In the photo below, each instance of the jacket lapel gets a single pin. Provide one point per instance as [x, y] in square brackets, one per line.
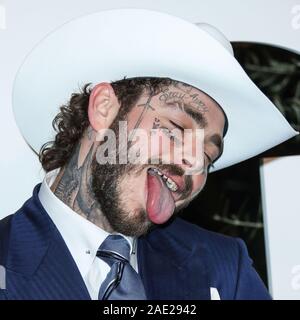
[170, 269]
[39, 264]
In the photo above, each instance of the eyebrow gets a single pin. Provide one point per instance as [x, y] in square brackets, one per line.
[187, 109]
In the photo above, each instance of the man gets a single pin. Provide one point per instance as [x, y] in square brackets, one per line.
[103, 227]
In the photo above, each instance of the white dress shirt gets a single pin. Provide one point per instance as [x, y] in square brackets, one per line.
[82, 237]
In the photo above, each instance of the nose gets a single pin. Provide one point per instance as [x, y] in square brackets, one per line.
[192, 164]
[193, 156]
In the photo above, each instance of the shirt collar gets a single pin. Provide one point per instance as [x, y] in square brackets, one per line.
[82, 237]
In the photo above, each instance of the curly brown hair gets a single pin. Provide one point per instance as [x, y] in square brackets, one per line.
[72, 120]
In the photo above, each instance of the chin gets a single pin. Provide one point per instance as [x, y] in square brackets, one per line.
[133, 223]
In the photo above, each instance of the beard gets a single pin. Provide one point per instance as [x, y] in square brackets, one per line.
[106, 181]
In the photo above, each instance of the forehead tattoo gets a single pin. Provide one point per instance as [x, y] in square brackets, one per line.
[178, 95]
[183, 98]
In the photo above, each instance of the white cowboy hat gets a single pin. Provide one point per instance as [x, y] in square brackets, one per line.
[109, 45]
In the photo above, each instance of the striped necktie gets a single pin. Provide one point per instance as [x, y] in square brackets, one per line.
[122, 282]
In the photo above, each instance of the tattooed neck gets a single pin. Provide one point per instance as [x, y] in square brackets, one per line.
[73, 187]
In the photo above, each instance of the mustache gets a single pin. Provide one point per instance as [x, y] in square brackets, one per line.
[176, 170]
[120, 170]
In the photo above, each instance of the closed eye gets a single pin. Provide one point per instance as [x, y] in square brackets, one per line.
[210, 164]
[176, 125]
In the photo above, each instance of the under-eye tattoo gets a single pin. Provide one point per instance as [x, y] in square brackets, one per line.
[157, 126]
[156, 123]
[170, 135]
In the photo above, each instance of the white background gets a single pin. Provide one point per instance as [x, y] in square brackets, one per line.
[280, 194]
[24, 23]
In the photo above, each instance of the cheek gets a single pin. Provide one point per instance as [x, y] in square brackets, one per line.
[161, 147]
[155, 144]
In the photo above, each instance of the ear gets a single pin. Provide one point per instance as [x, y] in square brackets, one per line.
[103, 106]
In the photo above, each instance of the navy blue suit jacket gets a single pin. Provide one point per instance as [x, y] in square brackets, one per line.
[177, 261]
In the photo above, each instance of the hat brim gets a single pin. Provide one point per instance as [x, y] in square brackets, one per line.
[109, 45]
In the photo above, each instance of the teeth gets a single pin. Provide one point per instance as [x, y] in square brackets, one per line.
[169, 182]
[171, 185]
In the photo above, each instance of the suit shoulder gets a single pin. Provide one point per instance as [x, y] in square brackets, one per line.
[191, 233]
[221, 249]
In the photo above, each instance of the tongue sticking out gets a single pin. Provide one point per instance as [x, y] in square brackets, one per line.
[160, 203]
